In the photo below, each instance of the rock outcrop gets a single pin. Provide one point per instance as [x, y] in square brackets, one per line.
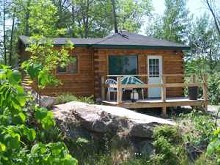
[78, 119]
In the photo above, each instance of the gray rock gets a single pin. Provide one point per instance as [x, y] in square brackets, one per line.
[47, 101]
[102, 119]
[130, 129]
[143, 130]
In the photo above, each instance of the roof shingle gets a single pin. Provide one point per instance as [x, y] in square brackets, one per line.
[118, 40]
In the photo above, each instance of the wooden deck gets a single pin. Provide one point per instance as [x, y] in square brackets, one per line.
[162, 102]
[157, 103]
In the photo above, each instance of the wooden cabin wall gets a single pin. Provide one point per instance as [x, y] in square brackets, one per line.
[93, 64]
[79, 84]
[172, 64]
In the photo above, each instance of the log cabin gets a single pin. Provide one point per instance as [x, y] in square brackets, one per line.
[153, 61]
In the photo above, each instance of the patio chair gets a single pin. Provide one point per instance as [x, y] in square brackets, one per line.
[110, 89]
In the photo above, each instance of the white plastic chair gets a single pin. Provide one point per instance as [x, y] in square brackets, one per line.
[110, 89]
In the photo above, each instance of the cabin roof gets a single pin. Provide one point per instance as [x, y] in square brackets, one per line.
[118, 40]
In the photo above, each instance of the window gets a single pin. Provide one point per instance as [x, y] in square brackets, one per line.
[61, 69]
[123, 65]
[71, 68]
[154, 67]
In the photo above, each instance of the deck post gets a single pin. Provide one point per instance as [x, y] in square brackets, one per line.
[103, 87]
[119, 90]
[164, 111]
[205, 91]
[163, 88]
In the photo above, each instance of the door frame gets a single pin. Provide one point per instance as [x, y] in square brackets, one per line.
[160, 68]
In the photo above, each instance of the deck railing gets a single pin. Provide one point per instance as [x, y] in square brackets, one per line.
[194, 81]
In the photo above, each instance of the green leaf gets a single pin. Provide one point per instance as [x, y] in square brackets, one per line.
[14, 76]
[2, 147]
[22, 100]
[31, 134]
[40, 113]
[33, 70]
[48, 121]
[2, 74]
[43, 78]
[22, 117]
[35, 148]
[69, 160]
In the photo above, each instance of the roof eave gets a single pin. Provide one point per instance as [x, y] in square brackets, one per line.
[140, 47]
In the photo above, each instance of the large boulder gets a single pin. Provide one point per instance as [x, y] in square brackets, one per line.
[80, 119]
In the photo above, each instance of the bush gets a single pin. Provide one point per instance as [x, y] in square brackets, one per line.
[169, 146]
[213, 149]
[197, 128]
[68, 97]
[22, 123]
[214, 88]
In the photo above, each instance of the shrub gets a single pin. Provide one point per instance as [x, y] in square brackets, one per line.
[67, 97]
[20, 125]
[214, 88]
[213, 149]
[197, 128]
[169, 148]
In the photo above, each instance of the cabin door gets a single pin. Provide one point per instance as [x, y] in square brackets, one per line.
[154, 72]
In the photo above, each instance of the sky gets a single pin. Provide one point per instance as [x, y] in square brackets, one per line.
[195, 7]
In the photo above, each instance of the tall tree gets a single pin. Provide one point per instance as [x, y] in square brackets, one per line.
[95, 18]
[204, 42]
[173, 24]
[211, 5]
[131, 13]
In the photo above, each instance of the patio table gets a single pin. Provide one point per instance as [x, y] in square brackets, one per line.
[132, 80]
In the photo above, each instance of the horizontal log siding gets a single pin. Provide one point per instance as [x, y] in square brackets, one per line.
[172, 64]
[93, 64]
[79, 84]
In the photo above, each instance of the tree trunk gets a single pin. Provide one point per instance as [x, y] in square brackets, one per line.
[4, 33]
[215, 17]
[114, 16]
[27, 16]
[86, 19]
[73, 19]
[11, 39]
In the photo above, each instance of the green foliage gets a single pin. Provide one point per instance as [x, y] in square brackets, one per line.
[67, 97]
[198, 128]
[199, 67]
[172, 25]
[94, 18]
[168, 145]
[213, 149]
[18, 141]
[52, 153]
[204, 42]
[44, 12]
[214, 88]
[45, 59]
[130, 13]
